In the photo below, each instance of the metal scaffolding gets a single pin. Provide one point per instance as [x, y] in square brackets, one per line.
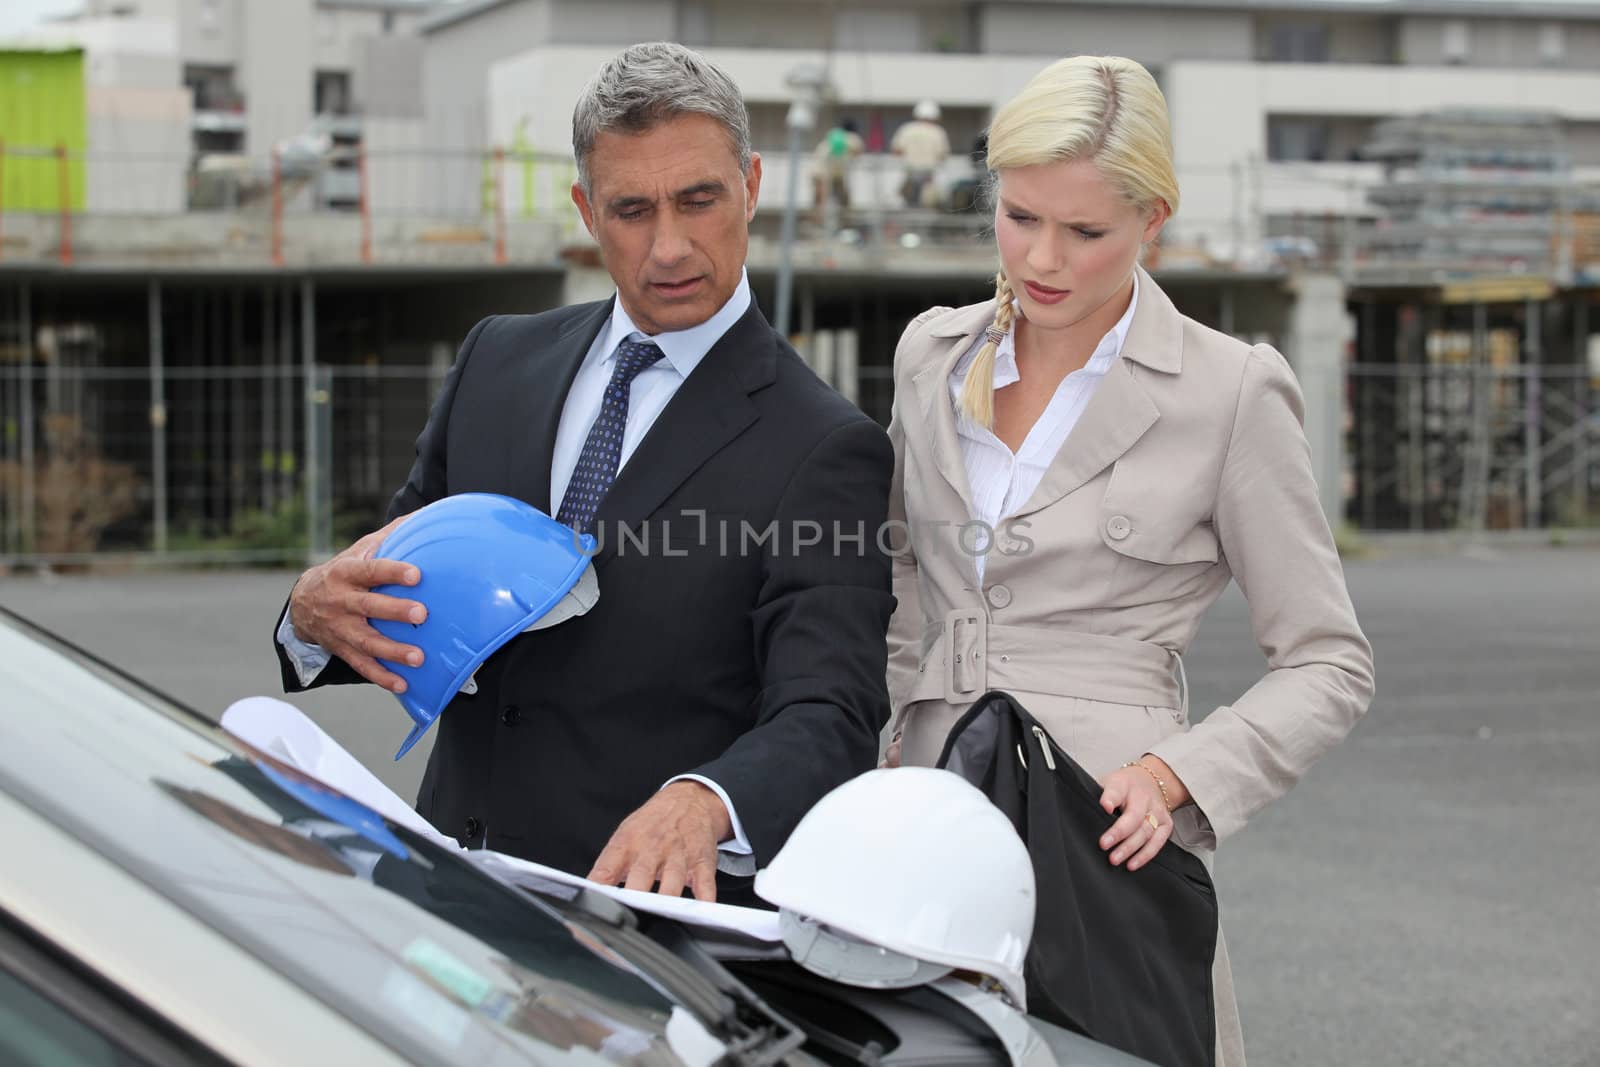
[1475, 193]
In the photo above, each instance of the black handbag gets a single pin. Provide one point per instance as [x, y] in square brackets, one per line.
[1123, 957]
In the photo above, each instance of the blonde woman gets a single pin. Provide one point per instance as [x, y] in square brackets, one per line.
[1082, 470]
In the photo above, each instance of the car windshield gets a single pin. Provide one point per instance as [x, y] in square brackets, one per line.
[434, 958]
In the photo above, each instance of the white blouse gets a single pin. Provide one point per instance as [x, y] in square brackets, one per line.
[1002, 481]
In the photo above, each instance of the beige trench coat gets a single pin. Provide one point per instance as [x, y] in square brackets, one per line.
[1188, 467]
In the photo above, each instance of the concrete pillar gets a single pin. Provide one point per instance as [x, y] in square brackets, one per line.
[1319, 330]
[158, 418]
[847, 365]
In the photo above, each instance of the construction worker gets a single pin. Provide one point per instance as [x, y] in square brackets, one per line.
[924, 145]
[831, 164]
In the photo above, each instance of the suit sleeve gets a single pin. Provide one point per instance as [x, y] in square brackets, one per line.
[426, 483]
[1276, 540]
[819, 625]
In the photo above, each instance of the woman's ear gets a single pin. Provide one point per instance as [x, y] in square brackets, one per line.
[1159, 214]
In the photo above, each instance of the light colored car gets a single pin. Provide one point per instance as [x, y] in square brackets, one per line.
[171, 896]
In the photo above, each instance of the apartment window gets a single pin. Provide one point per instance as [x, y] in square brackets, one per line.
[1552, 42]
[331, 92]
[877, 30]
[212, 88]
[1457, 44]
[1297, 140]
[741, 24]
[1298, 42]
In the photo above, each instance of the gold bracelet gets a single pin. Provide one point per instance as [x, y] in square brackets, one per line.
[1165, 799]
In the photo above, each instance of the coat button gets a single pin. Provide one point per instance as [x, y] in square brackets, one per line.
[510, 714]
[472, 829]
[1118, 527]
[999, 596]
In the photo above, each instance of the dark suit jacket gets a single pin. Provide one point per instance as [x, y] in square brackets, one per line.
[726, 646]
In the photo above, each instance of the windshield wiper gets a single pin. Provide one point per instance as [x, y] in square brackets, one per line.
[663, 954]
[755, 1035]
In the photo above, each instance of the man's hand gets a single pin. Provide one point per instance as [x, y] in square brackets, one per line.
[331, 603]
[669, 843]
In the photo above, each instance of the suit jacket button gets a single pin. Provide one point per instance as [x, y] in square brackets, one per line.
[1118, 527]
[510, 714]
[472, 829]
[999, 596]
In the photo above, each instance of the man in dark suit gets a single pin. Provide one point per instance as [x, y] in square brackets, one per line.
[732, 671]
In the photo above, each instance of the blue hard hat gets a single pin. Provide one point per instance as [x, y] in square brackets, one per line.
[351, 814]
[491, 567]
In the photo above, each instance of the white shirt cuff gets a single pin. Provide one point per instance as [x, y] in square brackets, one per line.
[308, 659]
[739, 845]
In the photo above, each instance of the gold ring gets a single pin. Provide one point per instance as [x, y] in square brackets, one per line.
[1150, 817]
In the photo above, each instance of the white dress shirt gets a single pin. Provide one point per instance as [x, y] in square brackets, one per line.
[652, 388]
[655, 385]
[1002, 481]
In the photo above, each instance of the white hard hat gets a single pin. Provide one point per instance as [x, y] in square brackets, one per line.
[898, 876]
[926, 110]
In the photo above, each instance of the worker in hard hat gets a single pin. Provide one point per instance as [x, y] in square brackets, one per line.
[832, 160]
[924, 145]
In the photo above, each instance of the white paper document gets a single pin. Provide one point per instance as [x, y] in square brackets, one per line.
[283, 731]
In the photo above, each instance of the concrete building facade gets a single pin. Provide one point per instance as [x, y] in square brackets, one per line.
[1271, 101]
[357, 294]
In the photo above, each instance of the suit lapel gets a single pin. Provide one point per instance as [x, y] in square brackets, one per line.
[544, 379]
[932, 385]
[709, 410]
[1120, 412]
[1118, 415]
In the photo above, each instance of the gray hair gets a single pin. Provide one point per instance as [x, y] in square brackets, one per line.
[647, 85]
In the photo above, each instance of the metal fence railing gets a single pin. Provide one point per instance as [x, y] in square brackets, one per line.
[1461, 447]
[233, 464]
[281, 464]
[374, 194]
[313, 202]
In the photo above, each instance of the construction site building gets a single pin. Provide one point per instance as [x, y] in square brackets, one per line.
[225, 300]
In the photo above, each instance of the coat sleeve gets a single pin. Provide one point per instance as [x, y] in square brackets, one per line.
[819, 623]
[426, 483]
[905, 628]
[1277, 543]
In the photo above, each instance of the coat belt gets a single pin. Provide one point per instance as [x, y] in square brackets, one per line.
[965, 656]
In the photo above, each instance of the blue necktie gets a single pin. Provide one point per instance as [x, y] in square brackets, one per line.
[602, 450]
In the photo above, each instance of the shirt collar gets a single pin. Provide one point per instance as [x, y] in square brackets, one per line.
[683, 349]
[1005, 356]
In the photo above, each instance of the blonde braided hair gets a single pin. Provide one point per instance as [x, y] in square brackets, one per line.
[977, 391]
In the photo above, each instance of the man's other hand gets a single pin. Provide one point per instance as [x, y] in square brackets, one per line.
[331, 603]
[668, 844]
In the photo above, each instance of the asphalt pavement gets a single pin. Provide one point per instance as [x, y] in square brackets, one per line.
[1430, 894]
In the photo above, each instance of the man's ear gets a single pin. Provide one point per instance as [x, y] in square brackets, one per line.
[752, 187]
[585, 209]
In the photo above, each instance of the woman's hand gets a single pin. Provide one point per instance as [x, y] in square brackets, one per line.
[1145, 824]
[891, 755]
